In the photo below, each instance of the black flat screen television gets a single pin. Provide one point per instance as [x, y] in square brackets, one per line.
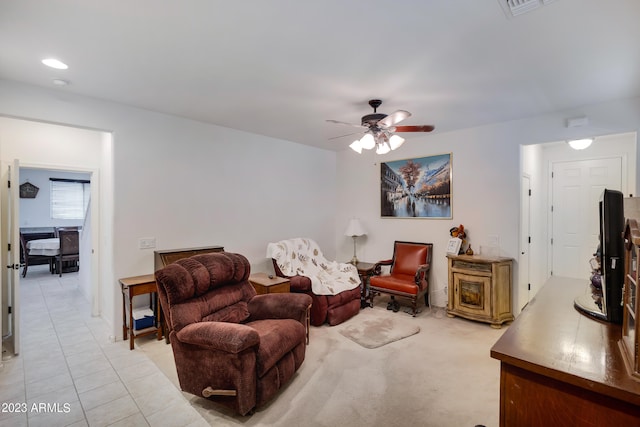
[607, 281]
[612, 253]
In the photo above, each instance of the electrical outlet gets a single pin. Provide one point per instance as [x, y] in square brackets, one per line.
[493, 240]
[147, 243]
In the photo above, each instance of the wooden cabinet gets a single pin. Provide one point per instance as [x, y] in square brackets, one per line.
[480, 288]
[631, 308]
[165, 257]
[559, 367]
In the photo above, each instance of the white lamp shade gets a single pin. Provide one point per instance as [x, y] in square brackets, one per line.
[383, 148]
[395, 141]
[580, 144]
[354, 228]
[356, 146]
[368, 141]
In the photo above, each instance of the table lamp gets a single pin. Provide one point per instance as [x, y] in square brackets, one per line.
[354, 229]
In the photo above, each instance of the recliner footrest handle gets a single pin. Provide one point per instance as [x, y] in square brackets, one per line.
[208, 392]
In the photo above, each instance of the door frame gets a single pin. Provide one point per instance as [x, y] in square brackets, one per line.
[525, 244]
[95, 224]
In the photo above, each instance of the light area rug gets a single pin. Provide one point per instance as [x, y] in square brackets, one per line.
[373, 328]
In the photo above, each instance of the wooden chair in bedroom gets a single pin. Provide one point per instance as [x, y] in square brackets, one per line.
[69, 248]
[33, 259]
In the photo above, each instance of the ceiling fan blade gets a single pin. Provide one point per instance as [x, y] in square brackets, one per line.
[423, 128]
[342, 136]
[393, 118]
[346, 124]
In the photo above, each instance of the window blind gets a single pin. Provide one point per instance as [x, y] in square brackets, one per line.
[69, 198]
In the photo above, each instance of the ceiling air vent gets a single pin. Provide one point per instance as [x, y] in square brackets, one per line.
[518, 7]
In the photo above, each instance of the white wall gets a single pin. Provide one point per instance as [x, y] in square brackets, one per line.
[486, 184]
[191, 184]
[188, 183]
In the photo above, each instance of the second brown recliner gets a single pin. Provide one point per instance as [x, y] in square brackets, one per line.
[338, 284]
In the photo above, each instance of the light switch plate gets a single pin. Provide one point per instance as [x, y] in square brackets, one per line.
[147, 243]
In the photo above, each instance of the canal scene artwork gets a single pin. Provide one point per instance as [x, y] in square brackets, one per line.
[416, 188]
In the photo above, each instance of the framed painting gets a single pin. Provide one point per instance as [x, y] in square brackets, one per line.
[416, 188]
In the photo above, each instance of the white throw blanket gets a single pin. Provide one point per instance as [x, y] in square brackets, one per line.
[303, 257]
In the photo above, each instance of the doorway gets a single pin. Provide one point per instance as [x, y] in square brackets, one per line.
[47, 146]
[538, 162]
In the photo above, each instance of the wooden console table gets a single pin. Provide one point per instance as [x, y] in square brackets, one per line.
[139, 285]
[559, 367]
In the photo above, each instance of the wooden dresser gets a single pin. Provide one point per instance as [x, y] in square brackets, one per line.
[559, 367]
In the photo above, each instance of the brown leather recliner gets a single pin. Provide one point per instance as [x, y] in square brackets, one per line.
[408, 277]
[230, 345]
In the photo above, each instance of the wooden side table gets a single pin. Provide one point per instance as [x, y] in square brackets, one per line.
[139, 285]
[365, 271]
[264, 285]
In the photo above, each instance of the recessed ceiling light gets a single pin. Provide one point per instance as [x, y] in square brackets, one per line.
[55, 63]
[60, 82]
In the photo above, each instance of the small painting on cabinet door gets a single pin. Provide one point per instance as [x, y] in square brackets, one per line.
[471, 294]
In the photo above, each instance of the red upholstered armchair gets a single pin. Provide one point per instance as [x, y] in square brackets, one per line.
[408, 277]
[230, 345]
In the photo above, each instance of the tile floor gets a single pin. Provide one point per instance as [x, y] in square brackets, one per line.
[69, 373]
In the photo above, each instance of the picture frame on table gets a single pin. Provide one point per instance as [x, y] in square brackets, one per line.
[453, 247]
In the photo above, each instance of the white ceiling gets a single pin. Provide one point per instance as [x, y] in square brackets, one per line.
[281, 67]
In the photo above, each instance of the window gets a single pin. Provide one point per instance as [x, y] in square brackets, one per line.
[69, 198]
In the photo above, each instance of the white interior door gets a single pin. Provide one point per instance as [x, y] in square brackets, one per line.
[524, 289]
[576, 190]
[11, 267]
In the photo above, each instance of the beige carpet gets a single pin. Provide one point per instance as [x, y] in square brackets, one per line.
[375, 328]
[442, 377]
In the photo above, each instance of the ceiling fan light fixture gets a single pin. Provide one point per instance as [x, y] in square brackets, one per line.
[580, 144]
[367, 141]
[395, 141]
[383, 148]
[356, 146]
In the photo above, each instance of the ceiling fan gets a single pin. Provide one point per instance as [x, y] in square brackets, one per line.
[381, 130]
